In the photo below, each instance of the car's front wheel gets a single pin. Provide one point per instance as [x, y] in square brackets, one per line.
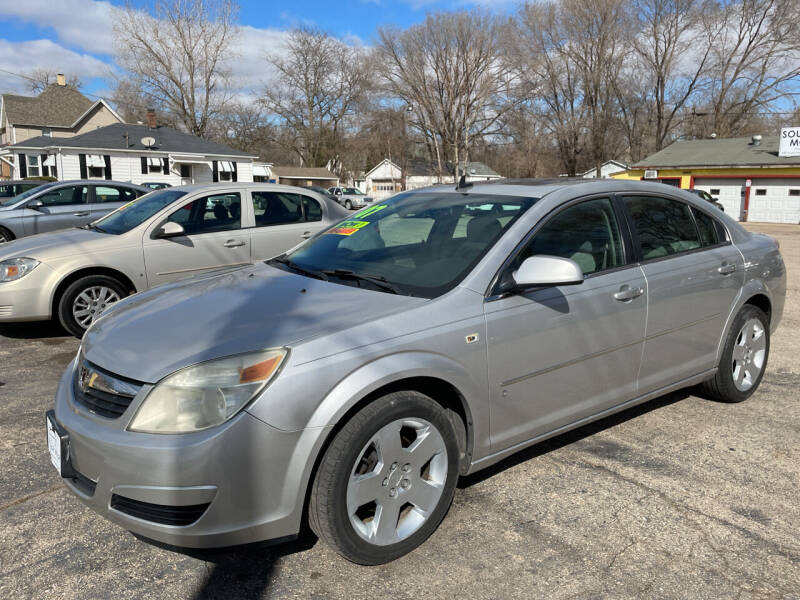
[386, 480]
[5, 235]
[348, 205]
[744, 357]
[86, 299]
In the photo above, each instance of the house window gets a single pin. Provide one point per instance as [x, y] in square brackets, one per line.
[794, 192]
[34, 168]
[714, 192]
[225, 170]
[761, 192]
[155, 165]
[186, 171]
[95, 166]
[47, 131]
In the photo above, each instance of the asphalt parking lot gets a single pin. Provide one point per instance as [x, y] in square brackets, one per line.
[681, 497]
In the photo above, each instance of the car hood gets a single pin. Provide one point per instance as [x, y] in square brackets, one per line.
[157, 332]
[58, 244]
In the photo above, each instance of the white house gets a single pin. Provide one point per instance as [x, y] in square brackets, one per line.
[606, 170]
[135, 153]
[386, 178]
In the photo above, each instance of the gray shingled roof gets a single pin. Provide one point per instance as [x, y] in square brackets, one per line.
[730, 152]
[307, 172]
[56, 106]
[113, 137]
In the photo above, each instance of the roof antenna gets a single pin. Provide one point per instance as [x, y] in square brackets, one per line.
[462, 183]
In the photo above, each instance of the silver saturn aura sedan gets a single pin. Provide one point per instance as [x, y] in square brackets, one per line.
[166, 235]
[353, 379]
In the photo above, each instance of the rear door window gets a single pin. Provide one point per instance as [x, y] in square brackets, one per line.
[707, 227]
[276, 208]
[312, 209]
[664, 226]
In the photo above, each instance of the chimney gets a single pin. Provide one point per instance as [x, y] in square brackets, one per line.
[60, 79]
[151, 118]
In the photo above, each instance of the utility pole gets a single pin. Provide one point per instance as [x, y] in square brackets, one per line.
[404, 153]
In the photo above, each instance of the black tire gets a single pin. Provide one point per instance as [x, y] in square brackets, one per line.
[348, 205]
[75, 289]
[722, 386]
[328, 513]
[5, 235]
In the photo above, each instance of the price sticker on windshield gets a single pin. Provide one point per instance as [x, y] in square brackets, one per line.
[348, 227]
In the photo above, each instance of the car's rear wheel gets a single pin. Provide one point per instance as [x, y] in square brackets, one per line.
[744, 357]
[386, 480]
[5, 235]
[86, 299]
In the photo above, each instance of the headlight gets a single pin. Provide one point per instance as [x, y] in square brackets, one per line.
[16, 268]
[208, 394]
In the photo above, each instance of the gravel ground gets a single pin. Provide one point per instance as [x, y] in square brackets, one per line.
[678, 498]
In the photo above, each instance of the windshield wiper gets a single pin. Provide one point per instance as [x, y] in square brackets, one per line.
[377, 280]
[297, 268]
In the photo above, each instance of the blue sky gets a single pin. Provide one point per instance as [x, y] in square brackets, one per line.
[74, 36]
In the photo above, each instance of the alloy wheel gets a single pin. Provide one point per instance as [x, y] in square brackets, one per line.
[397, 481]
[91, 303]
[749, 353]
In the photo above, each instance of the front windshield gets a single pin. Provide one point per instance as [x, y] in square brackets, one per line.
[136, 212]
[25, 194]
[354, 192]
[423, 244]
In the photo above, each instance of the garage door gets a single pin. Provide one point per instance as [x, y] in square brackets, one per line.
[729, 192]
[775, 201]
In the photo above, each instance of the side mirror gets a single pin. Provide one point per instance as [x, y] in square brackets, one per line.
[34, 204]
[542, 270]
[169, 230]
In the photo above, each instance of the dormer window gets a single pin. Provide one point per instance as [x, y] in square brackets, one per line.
[47, 131]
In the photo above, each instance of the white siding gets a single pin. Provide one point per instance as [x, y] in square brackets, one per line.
[244, 171]
[128, 167]
[70, 167]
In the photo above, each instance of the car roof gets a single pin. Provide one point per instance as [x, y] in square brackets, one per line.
[30, 181]
[241, 184]
[541, 187]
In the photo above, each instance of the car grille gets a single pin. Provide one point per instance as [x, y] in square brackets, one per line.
[102, 393]
[5, 311]
[159, 513]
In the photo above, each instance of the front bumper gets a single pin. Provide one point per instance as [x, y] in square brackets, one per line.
[29, 298]
[251, 476]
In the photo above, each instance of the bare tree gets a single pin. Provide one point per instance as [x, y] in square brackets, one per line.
[39, 79]
[180, 55]
[318, 85]
[670, 57]
[449, 69]
[755, 59]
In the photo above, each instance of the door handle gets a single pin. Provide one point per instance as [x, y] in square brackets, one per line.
[81, 214]
[306, 235]
[233, 243]
[627, 293]
[726, 269]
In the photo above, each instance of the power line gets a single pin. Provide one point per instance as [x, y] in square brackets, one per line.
[88, 94]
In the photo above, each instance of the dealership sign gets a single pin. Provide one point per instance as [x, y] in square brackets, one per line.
[790, 142]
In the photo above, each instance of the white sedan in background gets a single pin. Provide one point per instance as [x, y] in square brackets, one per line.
[169, 234]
